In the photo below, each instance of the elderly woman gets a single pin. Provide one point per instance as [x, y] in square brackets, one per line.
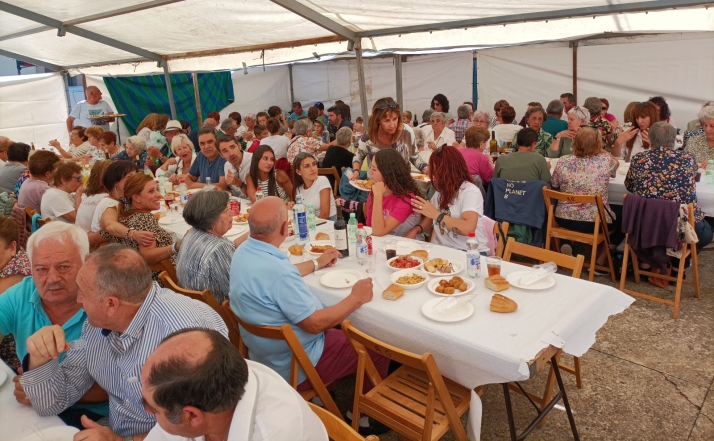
[702, 146]
[635, 140]
[108, 144]
[302, 142]
[694, 127]
[250, 122]
[134, 151]
[205, 257]
[441, 104]
[587, 171]
[438, 135]
[508, 129]
[561, 145]
[607, 130]
[535, 116]
[628, 115]
[177, 167]
[79, 145]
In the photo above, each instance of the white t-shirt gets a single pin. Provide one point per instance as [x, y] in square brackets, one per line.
[311, 196]
[468, 198]
[242, 172]
[55, 204]
[506, 132]
[636, 147]
[83, 110]
[102, 206]
[85, 212]
[279, 143]
[447, 137]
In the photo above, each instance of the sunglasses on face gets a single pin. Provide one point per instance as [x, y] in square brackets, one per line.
[390, 104]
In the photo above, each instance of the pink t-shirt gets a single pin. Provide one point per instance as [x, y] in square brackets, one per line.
[396, 206]
[477, 163]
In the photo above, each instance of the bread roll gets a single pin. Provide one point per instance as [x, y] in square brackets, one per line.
[422, 254]
[496, 283]
[502, 304]
[296, 250]
[393, 292]
[322, 236]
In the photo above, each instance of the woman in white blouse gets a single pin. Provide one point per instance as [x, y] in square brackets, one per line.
[177, 167]
[314, 190]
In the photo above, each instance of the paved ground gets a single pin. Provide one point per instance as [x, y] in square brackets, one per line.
[648, 377]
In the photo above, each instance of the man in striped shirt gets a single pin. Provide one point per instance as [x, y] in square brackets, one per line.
[127, 317]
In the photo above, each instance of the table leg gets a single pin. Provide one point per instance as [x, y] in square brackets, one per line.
[509, 412]
[566, 404]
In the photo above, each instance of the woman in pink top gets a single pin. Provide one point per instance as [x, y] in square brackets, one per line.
[477, 162]
[389, 210]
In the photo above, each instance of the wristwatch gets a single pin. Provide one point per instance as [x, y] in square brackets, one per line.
[317, 266]
[440, 218]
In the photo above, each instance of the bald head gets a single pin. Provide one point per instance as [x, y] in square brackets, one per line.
[120, 272]
[93, 94]
[267, 218]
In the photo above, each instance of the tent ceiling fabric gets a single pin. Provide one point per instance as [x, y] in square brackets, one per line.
[185, 32]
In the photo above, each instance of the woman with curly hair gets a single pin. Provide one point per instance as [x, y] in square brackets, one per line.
[454, 210]
[441, 104]
[663, 112]
[388, 205]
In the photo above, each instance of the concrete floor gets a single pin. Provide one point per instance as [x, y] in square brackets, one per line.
[647, 377]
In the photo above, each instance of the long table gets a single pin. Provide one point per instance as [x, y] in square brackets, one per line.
[705, 193]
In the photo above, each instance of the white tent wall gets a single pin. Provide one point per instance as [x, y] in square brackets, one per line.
[258, 90]
[33, 109]
[678, 67]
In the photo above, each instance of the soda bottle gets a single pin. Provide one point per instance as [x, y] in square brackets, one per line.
[258, 194]
[300, 227]
[311, 222]
[473, 258]
[183, 192]
[361, 244]
[352, 232]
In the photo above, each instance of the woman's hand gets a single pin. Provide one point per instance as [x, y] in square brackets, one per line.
[54, 143]
[153, 151]
[431, 145]
[645, 136]
[170, 161]
[565, 134]
[144, 238]
[425, 208]
[627, 135]
[378, 188]
[411, 234]
[355, 174]
[248, 136]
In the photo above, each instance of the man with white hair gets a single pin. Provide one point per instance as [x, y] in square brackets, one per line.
[229, 126]
[93, 106]
[49, 298]
[128, 315]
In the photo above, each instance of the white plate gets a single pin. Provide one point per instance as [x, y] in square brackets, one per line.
[433, 283]
[405, 272]
[236, 230]
[342, 278]
[171, 220]
[359, 187]
[458, 267]
[418, 267]
[3, 377]
[58, 433]
[416, 175]
[318, 243]
[456, 314]
[541, 284]
[404, 247]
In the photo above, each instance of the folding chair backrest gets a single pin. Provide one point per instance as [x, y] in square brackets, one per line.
[573, 263]
[169, 283]
[502, 234]
[232, 322]
[337, 429]
[331, 171]
[595, 199]
[166, 266]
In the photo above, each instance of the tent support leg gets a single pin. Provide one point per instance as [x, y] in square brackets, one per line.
[197, 98]
[360, 77]
[398, 72]
[574, 45]
[169, 89]
[292, 93]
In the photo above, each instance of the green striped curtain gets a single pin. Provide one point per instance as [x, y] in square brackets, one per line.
[140, 95]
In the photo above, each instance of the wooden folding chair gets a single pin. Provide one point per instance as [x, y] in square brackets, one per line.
[165, 265]
[337, 429]
[29, 213]
[576, 265]
[331, 171]
[501, 234]
[594, 239]
[687, 250]
[415, 401]
[232, 323]
[298, 360]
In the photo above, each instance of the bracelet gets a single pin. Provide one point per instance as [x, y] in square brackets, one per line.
[127, 233]
[174, 249]
[421, 229]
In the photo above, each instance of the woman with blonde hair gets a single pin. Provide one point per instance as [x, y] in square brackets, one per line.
[177, 167]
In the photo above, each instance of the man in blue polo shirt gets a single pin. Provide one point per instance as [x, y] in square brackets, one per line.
[208, 163]
[49, 297]
[297, 112]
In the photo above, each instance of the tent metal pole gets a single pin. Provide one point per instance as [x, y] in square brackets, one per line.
[30, 60]
[170, 90]
[197, 97]
[360, 77]
[574, 45]
[316, 17]
[398, 72]
[292, 93]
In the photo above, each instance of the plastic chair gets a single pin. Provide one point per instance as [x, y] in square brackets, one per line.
[337, 429]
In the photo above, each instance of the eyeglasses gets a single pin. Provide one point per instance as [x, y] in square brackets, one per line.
[390, 104]
[77, 178]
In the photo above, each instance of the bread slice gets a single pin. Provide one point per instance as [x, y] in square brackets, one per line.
[393, 292]
[496, 283]
[322, 236]
[502, 304]
[422, 254]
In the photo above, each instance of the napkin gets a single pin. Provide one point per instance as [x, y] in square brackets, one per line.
[452, 302]
[539, 272]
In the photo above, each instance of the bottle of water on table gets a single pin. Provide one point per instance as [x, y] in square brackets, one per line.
[183, 192]
[361, 245]
[301, 231]
[473, 258]
[258, 194]
[352, 232]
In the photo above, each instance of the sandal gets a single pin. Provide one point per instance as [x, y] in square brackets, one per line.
[658, 282]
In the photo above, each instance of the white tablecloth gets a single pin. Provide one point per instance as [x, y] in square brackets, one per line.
[705, 194]
[15, 419]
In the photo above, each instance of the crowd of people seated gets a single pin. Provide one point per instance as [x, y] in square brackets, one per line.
[90, 275]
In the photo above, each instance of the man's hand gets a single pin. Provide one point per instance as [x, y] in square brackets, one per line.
[362, 291]
[153, 151]
[19, 392]
[328, 258]
[232, 179]
[248, 136]
[95, 432]
[46, 344]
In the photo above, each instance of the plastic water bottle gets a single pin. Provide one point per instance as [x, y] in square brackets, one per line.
[300, 227]
[258, 194]
[208, 186]
[183, 192]
[352, 231]
[162, 188]
[473, 258]
[710, 173]
[311, 222]
[361, 245]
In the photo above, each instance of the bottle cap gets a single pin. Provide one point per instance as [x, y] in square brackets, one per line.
[472, 234]
[258, 189]
[360, 226]
[183, 181]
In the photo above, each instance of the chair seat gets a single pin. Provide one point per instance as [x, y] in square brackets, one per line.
[402, 399]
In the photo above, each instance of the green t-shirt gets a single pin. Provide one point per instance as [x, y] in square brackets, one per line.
[563, 148]
[522, 166]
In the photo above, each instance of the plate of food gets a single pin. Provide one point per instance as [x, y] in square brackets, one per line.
[455, 314]
[421, 177]
[404, 262]
[170, 219]
[515, 278]
[409, 278]
[450, 286]
[341, 278]
[293, 250]
[241, 219]
[443, 267]
[57, 433]
[318, 247]
[362, 184]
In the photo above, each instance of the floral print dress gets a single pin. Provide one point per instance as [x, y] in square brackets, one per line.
[18, 265]
[586, 175]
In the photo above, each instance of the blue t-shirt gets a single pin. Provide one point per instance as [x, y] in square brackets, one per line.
[273, 295]
[202, 168]
[22, 314]
[294, 116]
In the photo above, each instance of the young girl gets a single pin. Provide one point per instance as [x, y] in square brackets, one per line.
[388, 205]
[263, 174]
[313, 189]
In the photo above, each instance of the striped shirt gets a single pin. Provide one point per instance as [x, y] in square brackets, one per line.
[205, 262]
[114, 360]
